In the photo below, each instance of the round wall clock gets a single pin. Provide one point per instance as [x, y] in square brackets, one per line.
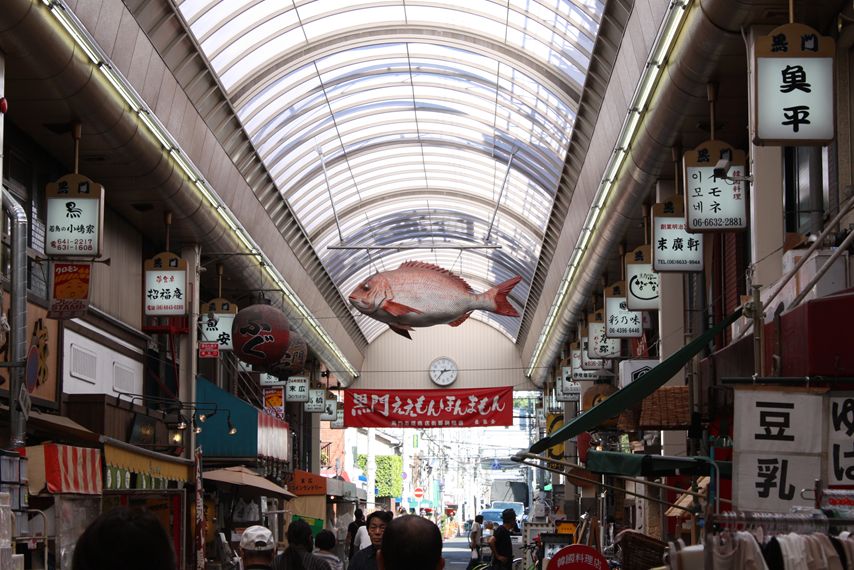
[443, 371]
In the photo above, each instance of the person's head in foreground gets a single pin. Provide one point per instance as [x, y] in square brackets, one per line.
[508, 517]
[325, 540]
[257, 547]
[411, 543]
[131, 539]
[377, 523]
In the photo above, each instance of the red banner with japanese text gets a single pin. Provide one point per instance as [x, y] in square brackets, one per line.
[477, 407]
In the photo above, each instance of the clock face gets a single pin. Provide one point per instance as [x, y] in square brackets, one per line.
[443, 371]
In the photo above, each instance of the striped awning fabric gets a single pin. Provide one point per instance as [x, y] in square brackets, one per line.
[64, 469]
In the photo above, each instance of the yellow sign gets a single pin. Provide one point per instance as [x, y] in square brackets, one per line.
[553, 423]
[566, 527]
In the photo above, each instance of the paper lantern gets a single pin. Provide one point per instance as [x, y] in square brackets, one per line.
[595, 395]
[260, 335]
[293, 361]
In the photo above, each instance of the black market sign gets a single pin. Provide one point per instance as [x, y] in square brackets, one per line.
[599, 345]
[642, 284]
[620, 321]
[217, 316]
[673, 247]
[75, 217]
[165, 292]
[587, 361]
[793, 95]
[715, 203]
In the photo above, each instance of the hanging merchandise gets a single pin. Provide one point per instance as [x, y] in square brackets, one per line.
[260, 335]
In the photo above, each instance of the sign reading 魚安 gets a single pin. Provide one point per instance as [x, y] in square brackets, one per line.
[714, 203]
[165, 285]
[620, 322]
[75, 217]
[217, 316]
[673, 247]
[793, 95]
[641, 280]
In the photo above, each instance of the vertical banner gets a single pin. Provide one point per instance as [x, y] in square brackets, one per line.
[777, 448]
[794, 101]
[715, 203]
[673, 247]
[840, 441]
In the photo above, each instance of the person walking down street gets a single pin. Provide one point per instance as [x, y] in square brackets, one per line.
[475, 534]
[325, 549]
[411, 543]
[124, 538]
[298, 556]
[352, 529]
[257, 548]
[366, 559]
[500, 543]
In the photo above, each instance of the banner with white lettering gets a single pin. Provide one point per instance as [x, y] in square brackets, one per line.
[477, 407]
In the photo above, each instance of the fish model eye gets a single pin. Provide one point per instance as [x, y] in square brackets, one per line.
[366, 287]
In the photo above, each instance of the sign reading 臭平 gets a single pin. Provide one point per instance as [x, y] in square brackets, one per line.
[673, 247]
[165, 285]
[793, 95]
[715, 203]
[75, 217]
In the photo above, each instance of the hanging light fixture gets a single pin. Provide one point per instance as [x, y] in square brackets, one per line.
[232, 429]
[197, 429]
[182, 423]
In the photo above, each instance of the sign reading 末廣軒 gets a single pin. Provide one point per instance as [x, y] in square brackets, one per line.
[217, 316]
[598, 343]
[641, 280]
[75, 217]
[793, 95]
[777, 450]
[673, 247]
[620, 322]
[714, 203]
[297, 389]
[316, 401]
[840, 440]
[475, 407]
[165, 285]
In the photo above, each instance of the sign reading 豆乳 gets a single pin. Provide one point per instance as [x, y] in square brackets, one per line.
[436, 408]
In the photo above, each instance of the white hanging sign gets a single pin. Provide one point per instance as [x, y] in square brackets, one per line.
[641, 280]
[631, 370]
[777, 450]
[840, 440]
[330, 410]
[579, 373]
[338, 422]
[296, 389]
[165, 285]
[714, 203]
[793, 95]
[75, 217]
[271, 380]
[316, 401]
[599, 345]
[215, 322]
[620, 322]
[673, 248]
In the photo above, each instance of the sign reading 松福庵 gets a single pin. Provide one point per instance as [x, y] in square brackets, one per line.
[673, 247]
[75, 217]
[793, 95]
[165, 285]
[714, 203]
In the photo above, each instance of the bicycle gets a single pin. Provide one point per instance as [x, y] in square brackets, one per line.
[532, 550]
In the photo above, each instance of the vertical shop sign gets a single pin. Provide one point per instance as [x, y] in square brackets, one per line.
[330, 410]
[165, 285]
[217, 316]
[673, 248]
[777, 450]
[599, 345]
[840, 440]
[641, 280]
[620, 322]
[75, 217]
[338, 423]
[579, 374]
[69, 290]
[316, 401]
[794, 91]
[715, 203]
[296, 390]
[274, 401]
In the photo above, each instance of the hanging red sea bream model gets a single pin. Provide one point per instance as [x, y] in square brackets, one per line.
[419, 294]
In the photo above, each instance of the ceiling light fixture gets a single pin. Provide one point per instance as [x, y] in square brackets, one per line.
[662, 46]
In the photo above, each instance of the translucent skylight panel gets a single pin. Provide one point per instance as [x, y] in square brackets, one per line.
[444, 17]
[208, 15]
[361, 57]
[232, 71]
[334, 23]
[249, 21]
[278, 96]
[191, 8]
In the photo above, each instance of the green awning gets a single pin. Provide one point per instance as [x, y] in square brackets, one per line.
[649, 465]
[635, 392]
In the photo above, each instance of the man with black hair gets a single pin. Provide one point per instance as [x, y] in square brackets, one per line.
[366, 559]
[500, 543]
[352, 529]
[411, 543]
[257, 548]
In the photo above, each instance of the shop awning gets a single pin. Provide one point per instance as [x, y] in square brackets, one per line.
[64, 469]
[150, 465]
[242, 476]
[648, 465]
[636, 391]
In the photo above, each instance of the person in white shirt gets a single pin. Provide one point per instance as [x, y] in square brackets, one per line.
[362, 540]
[475, 535]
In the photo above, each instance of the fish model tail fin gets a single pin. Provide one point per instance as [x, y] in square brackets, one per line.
[499, 295]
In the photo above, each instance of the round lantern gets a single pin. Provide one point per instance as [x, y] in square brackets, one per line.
[293, 361]
[596, 394]
[260, 335]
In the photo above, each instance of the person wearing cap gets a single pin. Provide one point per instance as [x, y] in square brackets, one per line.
[500, 543]
[257, 548]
